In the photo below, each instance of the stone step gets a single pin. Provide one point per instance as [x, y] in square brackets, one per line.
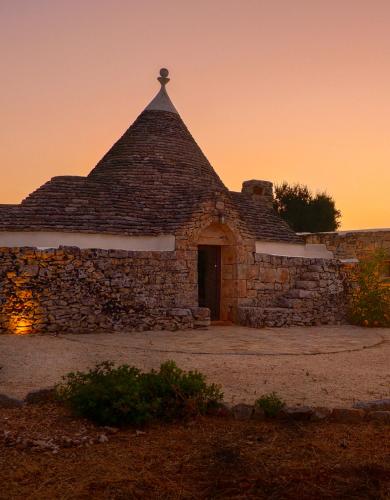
[221, 322]
[299, 293]
[296, 304]
[259, 317]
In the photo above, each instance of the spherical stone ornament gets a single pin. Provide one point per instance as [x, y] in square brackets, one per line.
[163, 78]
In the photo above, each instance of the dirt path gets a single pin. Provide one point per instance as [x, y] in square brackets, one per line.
[328, 366]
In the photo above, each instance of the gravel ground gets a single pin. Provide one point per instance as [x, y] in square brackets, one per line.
[329, 366]
[47, 454]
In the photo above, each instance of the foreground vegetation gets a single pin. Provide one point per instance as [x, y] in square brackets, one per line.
[123, 395]
[174, 448]
[370, 296]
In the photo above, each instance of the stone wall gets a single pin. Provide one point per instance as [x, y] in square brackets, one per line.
[80, 290]
[75, 290]
[352, 244]
[285, 291]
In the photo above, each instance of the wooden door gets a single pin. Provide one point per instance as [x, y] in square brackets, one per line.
[209, 278]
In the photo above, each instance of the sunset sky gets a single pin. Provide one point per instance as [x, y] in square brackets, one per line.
[295, 90]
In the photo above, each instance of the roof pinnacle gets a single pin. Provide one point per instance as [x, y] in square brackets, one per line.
[162, 102]
[163, 78]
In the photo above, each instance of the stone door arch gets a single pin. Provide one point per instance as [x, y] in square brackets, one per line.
[221, 235]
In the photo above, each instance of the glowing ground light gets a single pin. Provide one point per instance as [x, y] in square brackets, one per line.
[20, 326]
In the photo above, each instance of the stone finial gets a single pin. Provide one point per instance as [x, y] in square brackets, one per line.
[163, 78]
[162, 101]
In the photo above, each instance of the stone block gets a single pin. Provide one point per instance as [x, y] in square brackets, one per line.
[202, 323]
[264, 286]
[180, 312]
[229, 289]
[242, 288]
[282, 275]
[227, 271]
[297, 412]
[306, 285]
[347, 415]
[242, 271]
[29, 270]
[315, 268]
[310, 276]
[260, 257]
[200, 312]
[229, 255]
[377, 404]
[253, 272]
[267, 275]
[300, 294]
[8, 402]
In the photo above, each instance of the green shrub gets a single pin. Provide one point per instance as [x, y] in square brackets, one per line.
[270, 403]
[370, 295]
[125, 395]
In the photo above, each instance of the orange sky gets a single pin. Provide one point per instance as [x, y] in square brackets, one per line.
[295, 90]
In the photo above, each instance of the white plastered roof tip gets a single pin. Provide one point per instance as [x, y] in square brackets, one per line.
[162, 102]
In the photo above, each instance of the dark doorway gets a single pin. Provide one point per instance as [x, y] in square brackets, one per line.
[209, 279]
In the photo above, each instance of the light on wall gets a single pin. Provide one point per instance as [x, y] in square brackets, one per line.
[221, 218]
[20, 326]
[22, 311]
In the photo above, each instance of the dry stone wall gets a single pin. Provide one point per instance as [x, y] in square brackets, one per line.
[285, 291]
[75, 290]
[352, 244]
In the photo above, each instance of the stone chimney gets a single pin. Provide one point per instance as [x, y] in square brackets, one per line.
[261, 191]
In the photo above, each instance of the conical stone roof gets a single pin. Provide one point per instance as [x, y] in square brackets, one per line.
[151, 181]
[158, 153]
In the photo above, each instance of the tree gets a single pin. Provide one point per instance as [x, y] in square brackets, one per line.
[305, 212]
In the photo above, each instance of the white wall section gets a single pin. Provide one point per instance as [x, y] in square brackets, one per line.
[310, 251]
[51, 239]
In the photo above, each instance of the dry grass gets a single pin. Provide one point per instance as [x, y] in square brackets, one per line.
[208, 458]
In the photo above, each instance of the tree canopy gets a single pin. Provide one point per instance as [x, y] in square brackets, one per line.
[305, 212]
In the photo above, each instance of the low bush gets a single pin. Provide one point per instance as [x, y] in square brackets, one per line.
[270, 403]
[370, 296]
[122, 395]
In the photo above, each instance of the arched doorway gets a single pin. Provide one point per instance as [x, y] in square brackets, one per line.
[217, 271]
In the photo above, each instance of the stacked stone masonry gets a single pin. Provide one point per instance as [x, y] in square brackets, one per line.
[286, 291]
[352, 244]
[73, 290]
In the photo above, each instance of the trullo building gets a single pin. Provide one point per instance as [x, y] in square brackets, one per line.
[152, 239]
